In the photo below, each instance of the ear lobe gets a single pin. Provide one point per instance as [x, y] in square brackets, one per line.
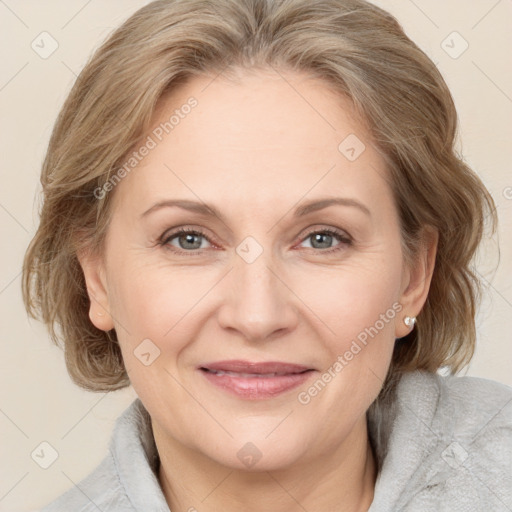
[417, 279]
[99, 309]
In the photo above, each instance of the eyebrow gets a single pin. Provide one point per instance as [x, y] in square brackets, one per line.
[210, 210]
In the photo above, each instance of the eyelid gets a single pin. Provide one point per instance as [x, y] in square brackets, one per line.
[173, 232]
[344, 238]
[323, 229]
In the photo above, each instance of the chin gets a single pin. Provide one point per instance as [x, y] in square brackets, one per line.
[258, 455]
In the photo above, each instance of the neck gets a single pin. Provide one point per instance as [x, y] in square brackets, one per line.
[341, 479]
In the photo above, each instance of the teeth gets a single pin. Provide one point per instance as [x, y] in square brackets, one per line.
[246, 375]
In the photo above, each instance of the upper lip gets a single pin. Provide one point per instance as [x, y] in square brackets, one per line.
[240, 366]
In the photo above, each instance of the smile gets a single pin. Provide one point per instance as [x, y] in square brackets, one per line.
[255, 381]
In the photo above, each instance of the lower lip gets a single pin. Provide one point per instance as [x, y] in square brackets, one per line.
[257, 388]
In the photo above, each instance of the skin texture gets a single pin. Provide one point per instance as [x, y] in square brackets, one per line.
[257, 148]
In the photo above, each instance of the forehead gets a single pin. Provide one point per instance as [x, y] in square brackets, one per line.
[258, 107]
[264, 136]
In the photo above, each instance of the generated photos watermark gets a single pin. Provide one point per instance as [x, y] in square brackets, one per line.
[305, 397]
[150, 143]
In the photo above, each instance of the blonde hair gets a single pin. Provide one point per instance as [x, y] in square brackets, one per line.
[353, 46]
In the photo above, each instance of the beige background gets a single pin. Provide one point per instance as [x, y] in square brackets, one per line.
[38, 402]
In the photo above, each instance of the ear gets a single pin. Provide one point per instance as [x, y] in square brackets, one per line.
[94, 273]
[416, 280]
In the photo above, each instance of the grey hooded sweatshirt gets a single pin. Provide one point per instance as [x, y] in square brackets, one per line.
[443, 444]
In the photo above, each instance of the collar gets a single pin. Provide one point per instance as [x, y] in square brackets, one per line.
[422, 432]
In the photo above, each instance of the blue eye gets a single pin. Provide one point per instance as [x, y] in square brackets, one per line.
[186, 238]
[189, 240]
[326, 236]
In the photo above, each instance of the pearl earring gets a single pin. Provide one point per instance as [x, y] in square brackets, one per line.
[410, 321]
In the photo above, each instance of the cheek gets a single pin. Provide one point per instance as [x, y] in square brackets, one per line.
[150, 308]
[354, 300]
[360, 307]
[151, 298]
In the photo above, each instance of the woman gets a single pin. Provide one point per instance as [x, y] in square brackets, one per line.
[288, 359]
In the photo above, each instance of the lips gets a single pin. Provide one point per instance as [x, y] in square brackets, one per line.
[255, 380]
[255, 369]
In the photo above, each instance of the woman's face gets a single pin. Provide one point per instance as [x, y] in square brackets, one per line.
[280, 274]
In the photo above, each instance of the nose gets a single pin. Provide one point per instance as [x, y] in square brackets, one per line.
[258, 302]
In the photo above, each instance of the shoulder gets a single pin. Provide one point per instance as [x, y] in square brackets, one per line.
[462, 406]
[451, 389]
[468, 456]
[126, 479]
[469, 417]
[447, 442]
[100, 490]
[105, 488]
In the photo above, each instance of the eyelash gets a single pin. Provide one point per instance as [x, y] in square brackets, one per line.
[165, 239]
